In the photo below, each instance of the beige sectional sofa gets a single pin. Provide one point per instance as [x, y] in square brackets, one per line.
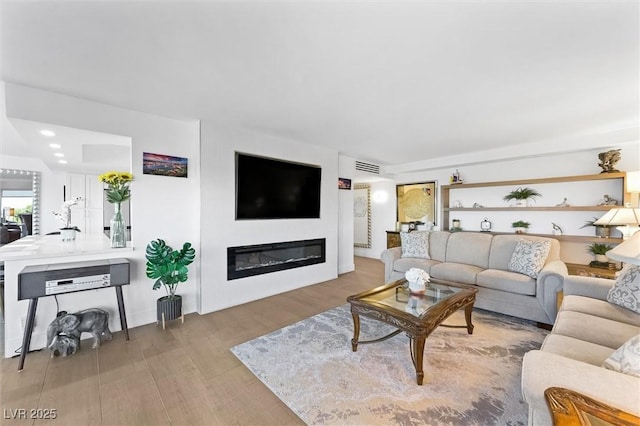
[483, 260]
[588, 330]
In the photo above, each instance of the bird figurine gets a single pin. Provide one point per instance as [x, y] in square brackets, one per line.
[556, 229]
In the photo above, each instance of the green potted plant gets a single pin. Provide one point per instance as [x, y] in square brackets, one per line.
[522, 196]
[603, 231]
[520, 226]
[169, 268]
[600, 251]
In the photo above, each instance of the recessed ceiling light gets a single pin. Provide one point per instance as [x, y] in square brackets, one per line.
[47, 133]
[55, 145]
[58, 154]
[62, 161]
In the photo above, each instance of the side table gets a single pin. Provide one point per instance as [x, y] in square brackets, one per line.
[393, 239]
[590, 271]
[587, 271]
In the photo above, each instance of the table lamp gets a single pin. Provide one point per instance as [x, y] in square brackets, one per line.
[627, 218]
[628, 251]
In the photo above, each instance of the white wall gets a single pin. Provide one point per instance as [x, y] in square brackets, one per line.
[161, 207]
[220, 230]
[570, 164]
[346, 167]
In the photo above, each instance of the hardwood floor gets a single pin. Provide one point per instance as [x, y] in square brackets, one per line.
[183, 375]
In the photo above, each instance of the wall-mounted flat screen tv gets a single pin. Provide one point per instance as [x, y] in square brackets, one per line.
[267, 188]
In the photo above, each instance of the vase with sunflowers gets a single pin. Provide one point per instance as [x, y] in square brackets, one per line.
[117, 192]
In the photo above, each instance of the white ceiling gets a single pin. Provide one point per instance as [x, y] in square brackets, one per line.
[381, 81]
[81, 150]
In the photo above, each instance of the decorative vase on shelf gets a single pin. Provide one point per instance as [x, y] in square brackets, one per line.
[118, 228]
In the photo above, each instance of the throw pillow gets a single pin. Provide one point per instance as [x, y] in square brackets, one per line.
[528, 257]
[626, 359]
[626, 290]
[415, 244]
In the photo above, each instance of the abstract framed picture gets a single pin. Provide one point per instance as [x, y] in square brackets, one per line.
[164, 165]
[416, 202]
[344, 183]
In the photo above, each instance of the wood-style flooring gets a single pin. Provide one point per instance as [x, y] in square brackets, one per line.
[182, 375]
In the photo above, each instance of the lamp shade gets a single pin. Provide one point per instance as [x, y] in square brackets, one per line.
[620, 216]
[628, 251]
[633, 181]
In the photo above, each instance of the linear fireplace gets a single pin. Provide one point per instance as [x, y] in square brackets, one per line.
[245, 261]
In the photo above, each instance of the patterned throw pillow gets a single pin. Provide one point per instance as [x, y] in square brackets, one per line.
[626, 359]
[626, 290]
[528, 257]
[415, 244]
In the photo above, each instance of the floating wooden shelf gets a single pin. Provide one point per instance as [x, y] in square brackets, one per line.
[446, 209]
[531, 209]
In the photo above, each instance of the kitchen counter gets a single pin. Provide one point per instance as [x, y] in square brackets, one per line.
[43, 246]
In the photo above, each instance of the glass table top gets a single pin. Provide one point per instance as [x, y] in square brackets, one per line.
[401, 298]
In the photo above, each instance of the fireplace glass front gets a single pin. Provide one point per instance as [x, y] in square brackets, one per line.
[245, 261]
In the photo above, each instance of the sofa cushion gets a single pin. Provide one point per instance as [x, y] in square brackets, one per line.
[511, 282]
[502, 247]
[579, 350]
[471, 248]
[415, 244]
[529, 257]
[599, 308]
[601, 331]
[438, 245]
[626, 359]
[405, 263]
[455, 272]
[626, 290]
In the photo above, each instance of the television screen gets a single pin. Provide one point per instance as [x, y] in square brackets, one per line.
[267, 188]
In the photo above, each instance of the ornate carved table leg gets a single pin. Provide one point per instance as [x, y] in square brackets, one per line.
[418, 352]
[356, 332]
[467, 316]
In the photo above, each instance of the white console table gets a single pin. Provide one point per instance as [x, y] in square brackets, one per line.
[50, 249]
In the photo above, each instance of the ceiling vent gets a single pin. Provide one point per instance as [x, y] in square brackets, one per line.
[367, 167]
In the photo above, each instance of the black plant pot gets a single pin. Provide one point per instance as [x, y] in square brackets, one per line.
[169, 308]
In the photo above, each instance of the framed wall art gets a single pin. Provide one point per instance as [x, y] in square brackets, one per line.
[344, 183]
[361, 216]
[164, 165]
[416, 202]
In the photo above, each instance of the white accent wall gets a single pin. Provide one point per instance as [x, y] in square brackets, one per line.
[220, 230]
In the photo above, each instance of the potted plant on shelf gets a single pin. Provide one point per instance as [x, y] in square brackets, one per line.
[522, 196]
[600, 251]
[169, 268]
[602, 231]
[520, 226]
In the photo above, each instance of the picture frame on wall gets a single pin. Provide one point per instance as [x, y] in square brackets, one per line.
[344, 183]
[416, 202]
[362, 216]
[164, 165]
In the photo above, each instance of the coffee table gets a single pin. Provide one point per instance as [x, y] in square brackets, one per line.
[415, 314]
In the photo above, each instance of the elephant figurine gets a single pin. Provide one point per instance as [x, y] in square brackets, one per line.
[64, 345]
[94, 321]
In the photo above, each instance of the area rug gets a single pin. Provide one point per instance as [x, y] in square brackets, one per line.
[469, 379]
